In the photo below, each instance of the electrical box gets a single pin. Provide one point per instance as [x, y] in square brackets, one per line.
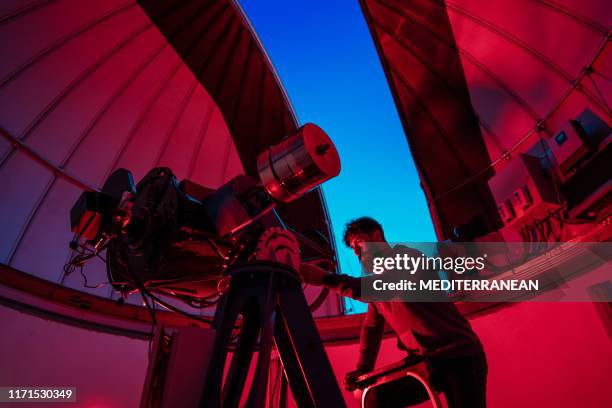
[177, 367]
[578, 139]
[524, 191]
[592, 128]
[522, 197]
[506, 211]
[568, 147]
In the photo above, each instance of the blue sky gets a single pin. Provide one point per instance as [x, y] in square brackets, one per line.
[328, 64]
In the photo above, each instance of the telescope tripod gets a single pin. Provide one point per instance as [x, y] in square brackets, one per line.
[269, 297]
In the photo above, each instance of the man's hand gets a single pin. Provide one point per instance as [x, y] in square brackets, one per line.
[312, 274]
[349, 379]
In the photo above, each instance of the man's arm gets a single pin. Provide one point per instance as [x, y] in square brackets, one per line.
[369, 345]
[344, 285]
[370, 339]
[373, 324]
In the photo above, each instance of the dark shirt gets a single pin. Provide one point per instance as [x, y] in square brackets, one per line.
[434, 328]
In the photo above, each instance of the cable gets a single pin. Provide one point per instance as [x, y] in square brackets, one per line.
[86, 284]
[175, 309]
[153, 318]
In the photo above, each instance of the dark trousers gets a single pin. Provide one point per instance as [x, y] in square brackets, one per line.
[463, 381]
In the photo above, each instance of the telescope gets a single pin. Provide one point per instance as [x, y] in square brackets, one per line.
[226, 247]
[184, 236]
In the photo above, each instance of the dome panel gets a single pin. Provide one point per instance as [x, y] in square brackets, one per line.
[145, 143]
[118, 116]
[215, 148]
[23, 181]
[63, 69]
[111, 119]
[178, 154]
[564, 44]
[536, 85]
[594, 14]
[47, 233]
[489, 75]
[56, 28]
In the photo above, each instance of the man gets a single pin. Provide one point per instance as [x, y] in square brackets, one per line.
[433, 330]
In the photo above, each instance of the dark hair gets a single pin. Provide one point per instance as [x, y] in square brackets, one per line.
[359, 225]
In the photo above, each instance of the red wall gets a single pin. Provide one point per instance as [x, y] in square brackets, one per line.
[540, 355]
[108, 371]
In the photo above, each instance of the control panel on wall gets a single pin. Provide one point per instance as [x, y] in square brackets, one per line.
[577, 140]
[524, 190]
[530, 186]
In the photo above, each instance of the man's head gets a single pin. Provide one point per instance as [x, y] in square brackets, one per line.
[360, 231]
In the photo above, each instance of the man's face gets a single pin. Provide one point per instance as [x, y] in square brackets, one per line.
[358, 243]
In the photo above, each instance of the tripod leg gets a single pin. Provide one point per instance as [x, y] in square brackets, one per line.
[228, 309]
[257, 394]
[253, 296]
[238, 370]
[282, 400]
[291, 365]
[301, 350]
